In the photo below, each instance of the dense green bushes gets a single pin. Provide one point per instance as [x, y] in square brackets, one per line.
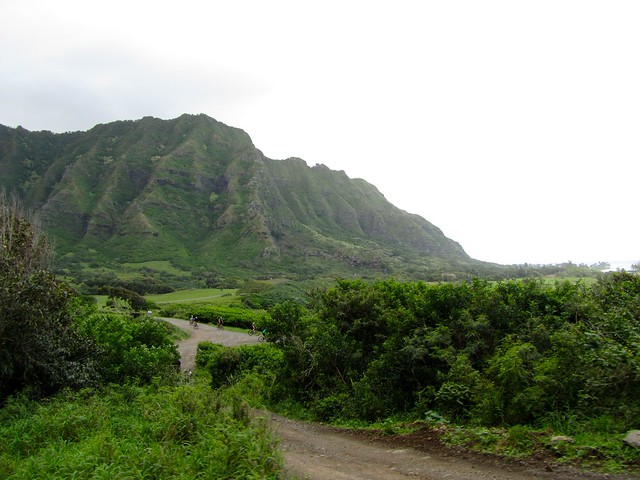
[130, 349]
[233, 316]
[225, 364]
[271, 295]
[506, 353]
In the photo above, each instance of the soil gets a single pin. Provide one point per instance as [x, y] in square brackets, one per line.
[321, 452]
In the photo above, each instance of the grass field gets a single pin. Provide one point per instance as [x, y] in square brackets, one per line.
[216, 296]
[213, 295]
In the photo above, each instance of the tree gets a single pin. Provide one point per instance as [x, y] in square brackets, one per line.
[39, 348]
[133, 299]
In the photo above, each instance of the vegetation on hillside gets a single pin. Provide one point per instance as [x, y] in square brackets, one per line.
[157, 205]
[199, 195]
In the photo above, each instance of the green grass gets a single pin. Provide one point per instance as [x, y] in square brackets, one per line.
[185, 431]
[587, 280]
[592, 451]
[216, 296]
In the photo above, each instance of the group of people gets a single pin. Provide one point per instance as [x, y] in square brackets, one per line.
[193, 321]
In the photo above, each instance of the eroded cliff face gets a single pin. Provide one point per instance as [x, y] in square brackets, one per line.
[199, 191]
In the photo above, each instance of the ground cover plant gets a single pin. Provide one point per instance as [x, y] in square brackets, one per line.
[184, 431]
[235, 316]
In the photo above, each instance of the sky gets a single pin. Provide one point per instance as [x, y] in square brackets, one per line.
[513, 126]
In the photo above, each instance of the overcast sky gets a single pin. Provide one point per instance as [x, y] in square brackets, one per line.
[514, 126]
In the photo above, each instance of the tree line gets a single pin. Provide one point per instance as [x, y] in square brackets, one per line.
[493, 353]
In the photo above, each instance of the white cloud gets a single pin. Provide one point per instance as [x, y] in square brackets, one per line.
[510, 125]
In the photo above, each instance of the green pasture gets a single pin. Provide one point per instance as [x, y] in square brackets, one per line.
[218, 296]
[214, 296]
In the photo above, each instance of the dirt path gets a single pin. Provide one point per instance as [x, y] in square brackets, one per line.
[319, 452]
[205, 333]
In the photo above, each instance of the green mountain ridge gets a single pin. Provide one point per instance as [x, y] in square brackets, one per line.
[198, 194]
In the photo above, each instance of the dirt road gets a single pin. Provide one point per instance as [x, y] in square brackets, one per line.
[319, 452]
[205, 333]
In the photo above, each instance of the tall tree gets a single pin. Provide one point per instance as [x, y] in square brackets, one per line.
[38, 347]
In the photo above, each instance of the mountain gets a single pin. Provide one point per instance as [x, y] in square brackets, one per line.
[193, 195]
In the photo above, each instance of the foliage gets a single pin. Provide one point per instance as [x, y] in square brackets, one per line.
[233, 316]
[130, 349]
[184, 431]
[134, 300]
[273, 295]
[504, 353]
[39, 348]
[228, 365]
[515, 362]
[210, 204]
[94, 282]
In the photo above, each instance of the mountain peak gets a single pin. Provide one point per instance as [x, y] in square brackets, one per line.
[197, 193]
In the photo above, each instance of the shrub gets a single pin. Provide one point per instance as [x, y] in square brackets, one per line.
[131, 349]
[274, 295]
[228, 364]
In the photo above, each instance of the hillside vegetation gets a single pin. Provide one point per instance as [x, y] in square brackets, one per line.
[194, 201]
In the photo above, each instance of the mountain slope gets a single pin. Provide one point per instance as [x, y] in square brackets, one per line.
[197, 193]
